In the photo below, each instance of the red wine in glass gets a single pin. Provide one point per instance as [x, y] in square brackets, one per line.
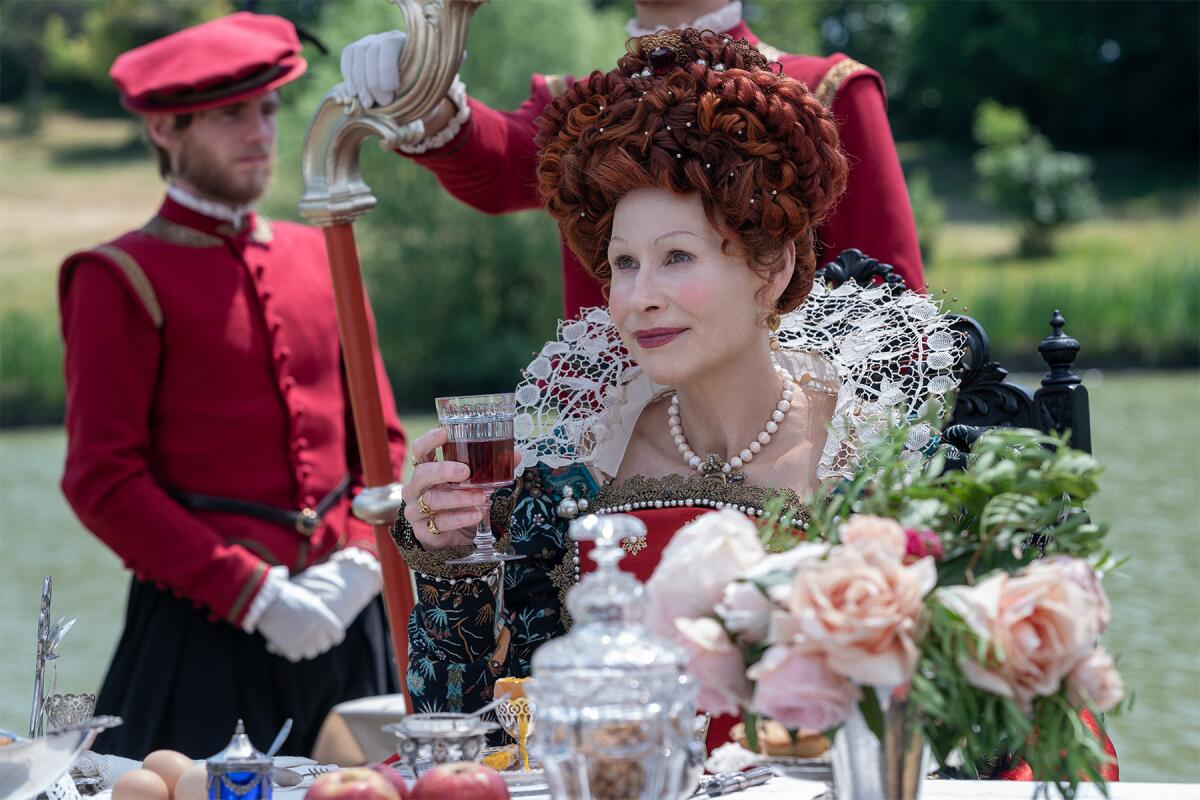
[492, 461]
[479, 429]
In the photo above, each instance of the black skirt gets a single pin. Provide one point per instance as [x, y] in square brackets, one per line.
[181, 682]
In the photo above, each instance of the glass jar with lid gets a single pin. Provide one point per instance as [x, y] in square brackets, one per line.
[615, 709]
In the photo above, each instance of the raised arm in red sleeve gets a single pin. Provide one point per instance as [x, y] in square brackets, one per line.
[874, 214]
[111, 363]
[491, 164]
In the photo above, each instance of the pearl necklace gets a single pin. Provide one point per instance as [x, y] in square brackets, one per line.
[731, 469]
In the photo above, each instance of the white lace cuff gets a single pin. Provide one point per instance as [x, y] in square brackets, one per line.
[276, 577]
[458, 96]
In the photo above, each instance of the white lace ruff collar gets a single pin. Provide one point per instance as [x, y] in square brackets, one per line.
[888, 357]
[721, 20]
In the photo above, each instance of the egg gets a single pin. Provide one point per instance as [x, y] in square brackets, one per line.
[168, 765]
[140, 784]
[193, 784]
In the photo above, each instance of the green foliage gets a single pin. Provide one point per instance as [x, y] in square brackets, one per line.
[31, 384]
[461, 300]
[1026, 179]
[929, 213]
[1019, 484]
[1062, 62]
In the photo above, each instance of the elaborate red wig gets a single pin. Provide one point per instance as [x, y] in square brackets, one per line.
[694, 111]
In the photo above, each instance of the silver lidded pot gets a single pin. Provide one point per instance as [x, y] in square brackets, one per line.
[240, 771]
[615, 710]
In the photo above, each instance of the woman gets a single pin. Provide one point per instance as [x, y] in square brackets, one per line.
[689, 180]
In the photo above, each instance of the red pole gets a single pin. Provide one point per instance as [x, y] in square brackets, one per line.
[359, 354]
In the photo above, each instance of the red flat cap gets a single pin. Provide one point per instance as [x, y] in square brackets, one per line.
[219, 62]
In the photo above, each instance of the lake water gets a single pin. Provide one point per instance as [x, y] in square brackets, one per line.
[1146, 430]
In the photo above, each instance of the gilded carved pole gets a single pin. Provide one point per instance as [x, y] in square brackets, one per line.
[335, 195]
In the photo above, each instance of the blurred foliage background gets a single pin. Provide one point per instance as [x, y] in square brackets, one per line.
[1107, 95]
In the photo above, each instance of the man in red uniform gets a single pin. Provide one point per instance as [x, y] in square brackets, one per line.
[209, 438]
[486, 157]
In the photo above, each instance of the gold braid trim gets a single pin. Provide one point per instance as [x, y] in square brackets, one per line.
[557, 85]
[235, 610]
[137, 279]
[827, 89]
[173, 233]
[433, 562]
[639, 489]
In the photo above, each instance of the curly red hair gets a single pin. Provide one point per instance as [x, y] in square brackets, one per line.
[757, 146]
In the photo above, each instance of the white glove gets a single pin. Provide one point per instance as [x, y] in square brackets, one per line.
[371, 67]
[349, 580]
[295, 622]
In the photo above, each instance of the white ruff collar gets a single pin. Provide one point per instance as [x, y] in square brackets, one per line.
[209, 208]
[721, 20]
[888, 358]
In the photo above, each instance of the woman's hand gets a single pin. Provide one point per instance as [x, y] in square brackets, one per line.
[454, 512]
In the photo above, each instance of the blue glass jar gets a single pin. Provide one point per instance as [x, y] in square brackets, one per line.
[239, 772]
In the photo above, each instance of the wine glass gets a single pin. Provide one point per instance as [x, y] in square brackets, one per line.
[480, 432]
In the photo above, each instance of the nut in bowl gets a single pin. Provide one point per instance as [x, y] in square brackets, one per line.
[425, 739]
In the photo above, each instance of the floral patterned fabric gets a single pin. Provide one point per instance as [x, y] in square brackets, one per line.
[457, 649]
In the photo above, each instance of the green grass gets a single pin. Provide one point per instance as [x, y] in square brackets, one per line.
[1129, 289]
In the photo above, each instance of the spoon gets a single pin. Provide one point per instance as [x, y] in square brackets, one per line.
[279, 738]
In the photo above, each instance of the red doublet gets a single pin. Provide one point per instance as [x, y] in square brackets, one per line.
[490, 165]
[206, 360]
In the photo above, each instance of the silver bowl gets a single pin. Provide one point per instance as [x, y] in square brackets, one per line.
[29, 767]
[65, 710]
[431, 739]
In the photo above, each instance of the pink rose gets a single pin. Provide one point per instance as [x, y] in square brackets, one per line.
[799, 690]
[696, 565]
[716, 664]
[1095, 681]
[1082, 574]
[1038, 624]
[866, 530]
[921, 543]
[745, 610]
[860, 607]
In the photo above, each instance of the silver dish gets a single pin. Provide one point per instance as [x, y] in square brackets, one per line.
[439, 738]
[29, 767]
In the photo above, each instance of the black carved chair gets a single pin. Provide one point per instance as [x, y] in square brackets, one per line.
[985, 399]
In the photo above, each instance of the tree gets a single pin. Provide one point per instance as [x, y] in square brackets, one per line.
[1021, 173]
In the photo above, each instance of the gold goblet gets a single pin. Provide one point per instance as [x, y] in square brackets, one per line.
[515, 713]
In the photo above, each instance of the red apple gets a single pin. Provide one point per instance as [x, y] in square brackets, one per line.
[358, 783]
[461, 781]
[394, 778]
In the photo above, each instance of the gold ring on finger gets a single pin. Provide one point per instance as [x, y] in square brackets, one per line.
[433, 528]
[423, 508]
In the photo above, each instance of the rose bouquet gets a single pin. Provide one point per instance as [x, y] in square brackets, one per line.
[973, 596]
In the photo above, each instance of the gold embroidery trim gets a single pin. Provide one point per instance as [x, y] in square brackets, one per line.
[137, 279]
[259, 549]
[173, 233]
[433, 562]
[562, 578]
[556, 84]
[827, 89]
[235, 610]
[639, 489]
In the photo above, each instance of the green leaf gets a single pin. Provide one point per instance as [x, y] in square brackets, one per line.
[872, 713]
